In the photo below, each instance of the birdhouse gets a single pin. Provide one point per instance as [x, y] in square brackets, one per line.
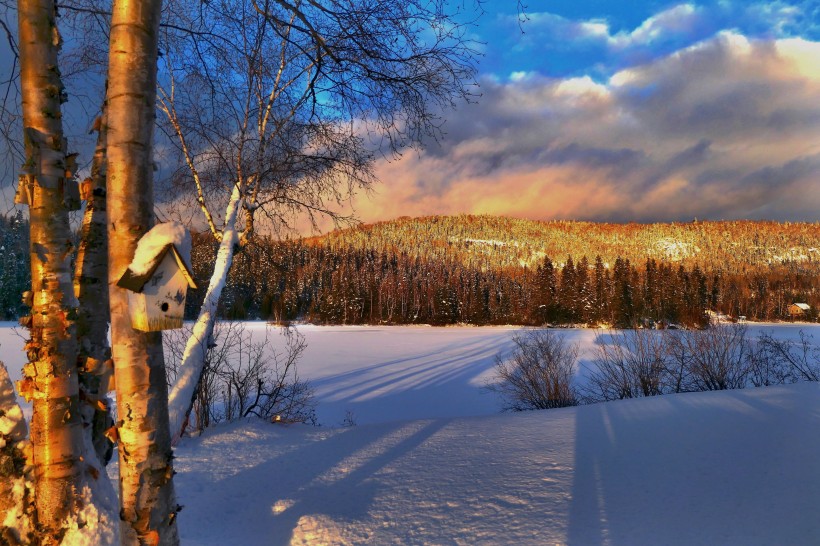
[156, 290]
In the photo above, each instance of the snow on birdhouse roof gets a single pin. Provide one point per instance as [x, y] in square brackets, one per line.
[151, 249]
[154, 242]
[803, 306]
[134, 282]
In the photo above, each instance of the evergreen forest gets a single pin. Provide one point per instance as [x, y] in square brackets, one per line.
[497, 270]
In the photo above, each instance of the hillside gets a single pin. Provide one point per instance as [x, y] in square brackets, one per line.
[495, 270]
[494, 241]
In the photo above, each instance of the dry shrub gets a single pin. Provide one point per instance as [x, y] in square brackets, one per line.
[244, 378]
[538, 374]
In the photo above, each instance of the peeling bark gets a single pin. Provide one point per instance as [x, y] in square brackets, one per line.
[148, 504]
[91, 288]
[51, 374]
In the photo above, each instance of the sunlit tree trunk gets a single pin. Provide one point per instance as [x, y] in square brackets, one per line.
[91, 289]
[51, 374]
[148, 506]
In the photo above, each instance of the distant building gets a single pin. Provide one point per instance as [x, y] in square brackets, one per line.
[716, 317]
[797, 310]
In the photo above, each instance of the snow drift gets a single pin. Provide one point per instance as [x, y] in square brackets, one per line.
[736, 467]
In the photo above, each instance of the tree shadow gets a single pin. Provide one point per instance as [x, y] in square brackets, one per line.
[678, 472]
[312, 484]
[441, 383]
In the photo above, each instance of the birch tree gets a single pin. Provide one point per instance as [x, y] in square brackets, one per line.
[148, 505]
[287, 118]
[91, 288]
[73, 498]
[90, 279]
[51, 374]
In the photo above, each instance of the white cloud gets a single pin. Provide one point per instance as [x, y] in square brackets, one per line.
[676, 27]
[724, 129]
[678, 19]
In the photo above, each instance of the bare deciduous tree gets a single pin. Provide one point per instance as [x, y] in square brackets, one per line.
[279, 120]
[51, 374]
[94, 364]
[243, 377]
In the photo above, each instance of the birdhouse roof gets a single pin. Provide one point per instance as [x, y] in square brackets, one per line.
[803, 306]
[135, 282]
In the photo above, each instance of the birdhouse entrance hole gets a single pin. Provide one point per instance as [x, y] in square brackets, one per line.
[156, 296]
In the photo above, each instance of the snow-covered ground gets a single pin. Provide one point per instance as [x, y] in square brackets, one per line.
[729, 468]
[432, 462]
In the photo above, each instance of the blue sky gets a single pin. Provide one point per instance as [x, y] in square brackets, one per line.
[613, 110]
[629, 111]
[559, 38]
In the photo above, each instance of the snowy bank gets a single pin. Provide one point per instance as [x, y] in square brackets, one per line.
[736, 467]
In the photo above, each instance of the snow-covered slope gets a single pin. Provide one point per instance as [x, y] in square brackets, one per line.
[432, 461]
[735, 467]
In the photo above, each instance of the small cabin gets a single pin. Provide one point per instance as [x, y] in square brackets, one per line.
[156, 298]
[796, 310]
[716, 317]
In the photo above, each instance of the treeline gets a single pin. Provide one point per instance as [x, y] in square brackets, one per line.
[15, 272]
[496, 242]
[495, 270]
[408, 272]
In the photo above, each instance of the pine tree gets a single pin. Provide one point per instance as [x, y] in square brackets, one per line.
[567, 295]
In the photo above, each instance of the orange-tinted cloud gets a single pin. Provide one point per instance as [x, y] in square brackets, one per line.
[729, 128]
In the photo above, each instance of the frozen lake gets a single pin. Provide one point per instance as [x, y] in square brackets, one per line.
[393, 373]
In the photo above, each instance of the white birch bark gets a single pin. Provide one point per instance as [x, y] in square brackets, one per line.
[181, 399]
[91, 289]
[148, 506]
[51, 374]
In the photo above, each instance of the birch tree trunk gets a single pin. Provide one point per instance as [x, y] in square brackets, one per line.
[91, 289]
[51, 374]
[193, 359]
[148, 505]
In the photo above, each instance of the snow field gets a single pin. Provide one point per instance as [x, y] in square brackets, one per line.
[737, 467]
[432, 462]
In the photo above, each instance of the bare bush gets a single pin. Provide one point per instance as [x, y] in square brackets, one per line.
[243, 377]
[717, 358]
[631, 365]
[678, 361]
[538, 374]
[783, 361]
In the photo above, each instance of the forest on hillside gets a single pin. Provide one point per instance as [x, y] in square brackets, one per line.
[495, 270]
